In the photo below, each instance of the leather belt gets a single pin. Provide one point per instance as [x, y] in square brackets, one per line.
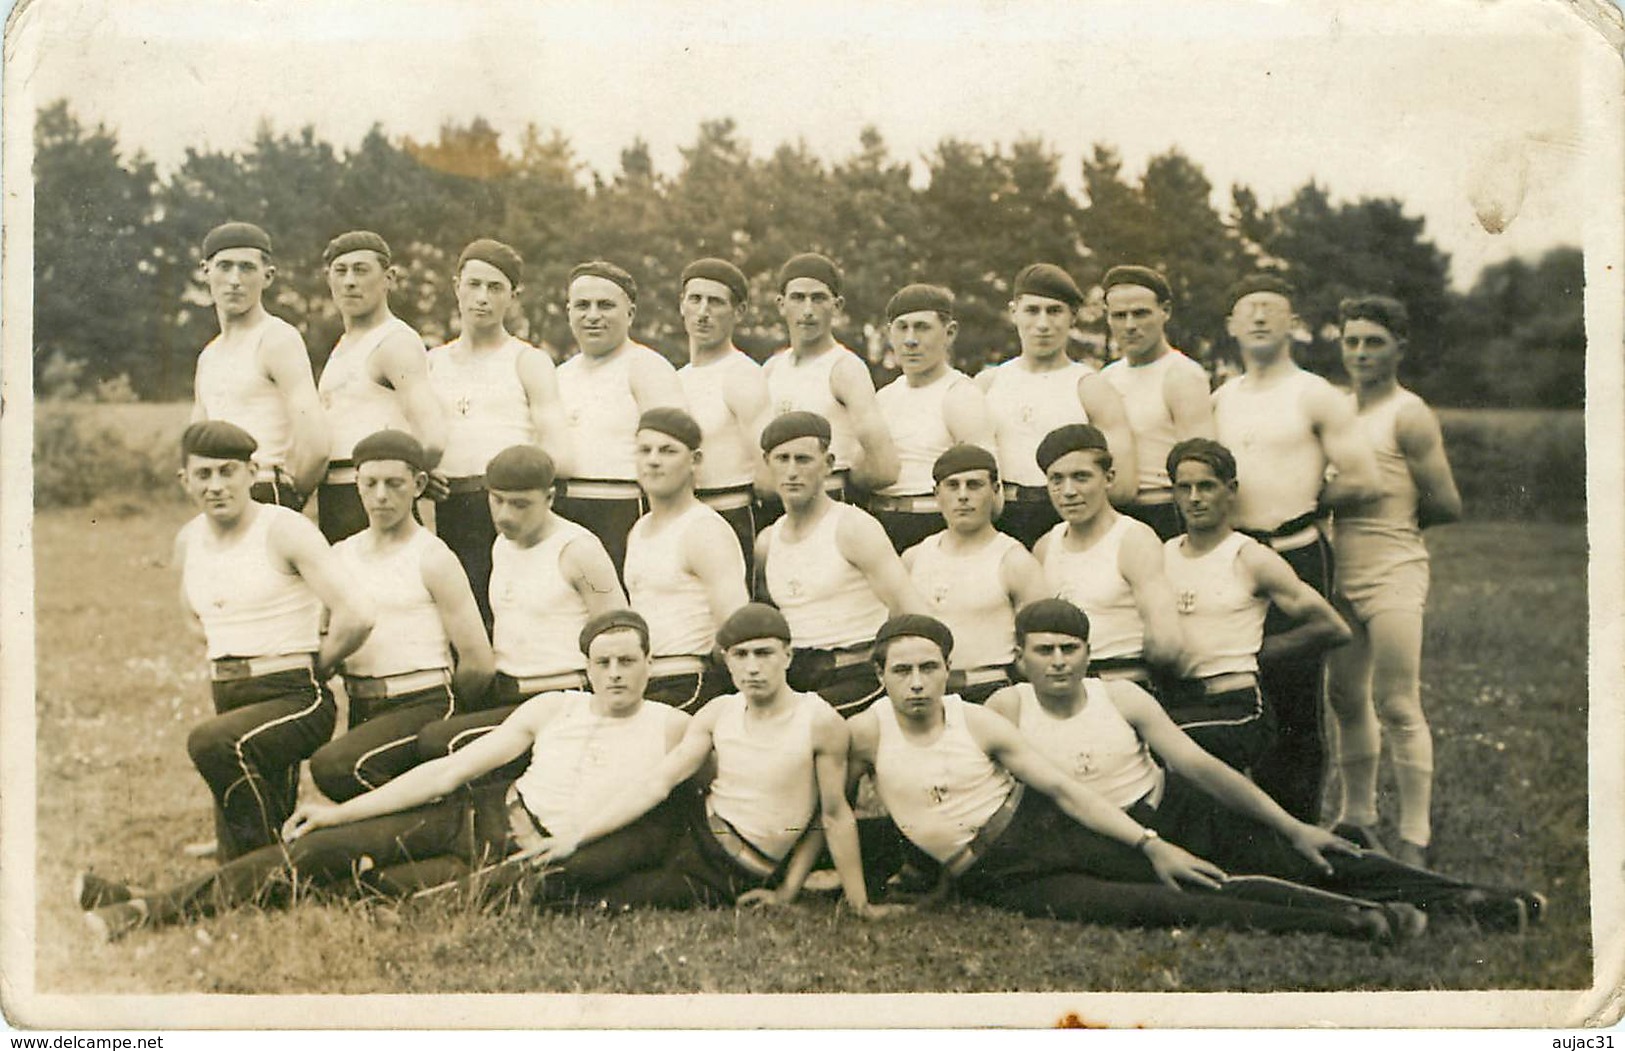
[737, 847]
[601, 489]
[676, 664]
[1154, 497]
[849, 656]
[1290, 535]
[983, 676]
[913, 505]
[1229, 682]
[339, 472]
[730, 498]
[1025, 494]
[835, 483]
[564, 680]
[1119, 668]
[373, 687]
[988, 834]
[230, 669]
[474, 483]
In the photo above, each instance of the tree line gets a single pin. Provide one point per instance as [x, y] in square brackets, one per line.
[119, 298]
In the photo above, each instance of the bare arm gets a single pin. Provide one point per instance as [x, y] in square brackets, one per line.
[402, 364]
[850, 383]
[655, 383]
[1139, 560]
[1104, 407]
[592, 574]
[177, 558]
[448, 585]
[964, 409]
[1185, 392]
[1319, 626]
[287, 363]
[711, 552]
[832, 742]
[350, 613]
[1023, 577]
[862, 542]
[745, 394]
[1007, 702]
[1354, 478]
[1437, 499]
[758, 584]
[536, 375]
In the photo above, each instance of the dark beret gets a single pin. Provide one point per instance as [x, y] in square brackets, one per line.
[1049, 281]
[498, 255]
[910, 298]
[235, 235]
[356, 241]
[611, 620]
[915, 625]
[1143, 276]
[391, 445]
[1054, 615]
[520, 467]
[218, 440]
[1069, 439]
[720, 271]
[964, 457]
[813, 265]
[1260, 282]
[675, 422]
[793, 425]
[609, 272]
[755, 620]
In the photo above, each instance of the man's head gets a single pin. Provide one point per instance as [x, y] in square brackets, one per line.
[1052, 642]
[755, 641]
[616, 645]
[237, 265]
[714, 294]
[1261, 318]
[796, 446]
[488, 279]
[1077, 466]
[1138, 306]
[967, 487]
[911, 653]
[359, 272]
[1375, 330]
[519, 486]
[391, 470]
[1044, 302]
[1204, 480]
[921, 327]
[217, 468]
[601, 300]
[810, 288]
[667, 447]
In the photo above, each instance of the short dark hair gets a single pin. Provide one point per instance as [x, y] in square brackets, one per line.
[1386, 311]
[1203, 450]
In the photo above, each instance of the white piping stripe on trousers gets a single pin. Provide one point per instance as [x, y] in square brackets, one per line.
[1299, 890]
[1258, 713]
[242, 762]
[867, 698]
[355, 771]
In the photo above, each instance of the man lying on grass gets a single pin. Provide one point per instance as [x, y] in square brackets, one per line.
[1115, 739]
[582, 747]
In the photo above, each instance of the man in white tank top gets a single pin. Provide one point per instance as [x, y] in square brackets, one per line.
[971, 576]
[255, 579]
[605, 388]
[496, 390]
[375, 378]
[1041, 389]
[685, 571]
[1165, 394]
[816, 373]
[427, 648]
[777, 800]
[443, 819]
[1107, 563]
[1285, 427]
[1224, 581]
[931, 406]
[829, 566]
[549, 576]
[1382, 572]
[726, 393]
[256, 373]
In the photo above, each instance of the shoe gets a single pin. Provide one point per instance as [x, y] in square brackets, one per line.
[1375, 925]
[1413, 854]
[92, 892]
[112, 922]
[822, 881]
[1362, 836]
[1496, 911]
[206, 849]
[1406, 920]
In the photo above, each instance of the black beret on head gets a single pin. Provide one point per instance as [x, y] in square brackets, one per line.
[793, 425]
[674, 422]
[910, 298]
[611, 620]
[217, 440]
[964, 457]
[609, 272]
[356, 241]
[755, 620]
[1069, 439]
[720, 271]
[499, 255]
[915, 625]
[520, 467]
[1049, 281]
[1052, 615]
[235, 235]
[1260, 282]
[391, 445]
[1143, 276]
[813, 265]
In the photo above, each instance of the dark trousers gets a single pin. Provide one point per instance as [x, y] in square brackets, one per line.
[849, 690]
[1293, 771]
[463, 521]
[339, 511]
[444, 736]
[1028, 520]
[381, 743]
[1162, 518]
[1236, 727]
[691, 690]
[609, 520]
[249, 753]
[278, 490]
[697, 873]
[906, 528]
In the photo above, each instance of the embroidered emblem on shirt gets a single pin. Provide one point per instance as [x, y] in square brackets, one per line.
[795, 588]
[463, 405]
[1187, 602]
[939, 793]
[1028, 413]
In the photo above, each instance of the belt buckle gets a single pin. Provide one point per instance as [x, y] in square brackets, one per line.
[228, 668]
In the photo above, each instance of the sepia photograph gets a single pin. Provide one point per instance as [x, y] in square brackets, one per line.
[719, 515]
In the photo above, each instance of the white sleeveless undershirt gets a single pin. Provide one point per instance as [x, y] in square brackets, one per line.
[408, 634]
[485, 403]
[826, 599]
[538, 614]
[249, 604]
[1025, 406]
[939, 794]
[1280, 465]
[673, 600]
[357, 405]
[730, 454]
[1091, 580]
[966, 592]
[1097, 746]
[1222, 620]
[581, 761]
[765, 785]
[1374, 539]
[602, 412]
[919, 429]
[1146, 405]
[807, 386]
[232, 385]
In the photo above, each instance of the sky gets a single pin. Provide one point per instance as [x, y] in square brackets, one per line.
[1473, 114]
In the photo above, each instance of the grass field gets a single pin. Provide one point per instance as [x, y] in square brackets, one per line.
[120, 682]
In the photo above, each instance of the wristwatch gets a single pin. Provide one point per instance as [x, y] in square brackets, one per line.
[1147, 837]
